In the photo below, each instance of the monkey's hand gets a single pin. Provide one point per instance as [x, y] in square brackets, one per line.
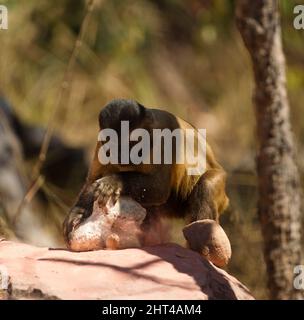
[72, 221]
[108, 190]
[105, 190]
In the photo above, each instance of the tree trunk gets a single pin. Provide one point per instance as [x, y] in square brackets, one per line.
[278, 177]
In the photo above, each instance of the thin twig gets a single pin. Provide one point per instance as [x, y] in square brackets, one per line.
[64, 85]
[53, 196]
[35, 185]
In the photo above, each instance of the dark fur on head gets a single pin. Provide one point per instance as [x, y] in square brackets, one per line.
[121, 110]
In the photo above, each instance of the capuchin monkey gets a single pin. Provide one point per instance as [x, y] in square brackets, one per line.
[163, 189]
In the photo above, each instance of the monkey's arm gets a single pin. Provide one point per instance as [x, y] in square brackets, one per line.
[208, 198]
[206, 201]
[81, 209]
[149, 189]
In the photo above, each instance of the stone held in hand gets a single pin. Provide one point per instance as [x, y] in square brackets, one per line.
[209, 239]
[110, 227]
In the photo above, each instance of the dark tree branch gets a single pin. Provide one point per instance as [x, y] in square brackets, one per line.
[278, 177]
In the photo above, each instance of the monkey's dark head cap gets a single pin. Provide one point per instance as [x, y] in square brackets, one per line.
[121, 110]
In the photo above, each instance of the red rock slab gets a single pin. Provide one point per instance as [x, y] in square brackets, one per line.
[159, 272]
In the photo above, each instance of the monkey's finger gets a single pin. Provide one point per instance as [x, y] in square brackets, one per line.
[103, 199]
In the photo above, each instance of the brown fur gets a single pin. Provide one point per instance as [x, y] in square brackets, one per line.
[164, 186]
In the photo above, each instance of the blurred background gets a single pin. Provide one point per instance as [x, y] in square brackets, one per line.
[183, 56]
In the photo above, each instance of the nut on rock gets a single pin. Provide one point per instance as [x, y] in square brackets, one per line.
[208, 238]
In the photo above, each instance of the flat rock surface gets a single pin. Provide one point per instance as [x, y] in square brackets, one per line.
[159, 272]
